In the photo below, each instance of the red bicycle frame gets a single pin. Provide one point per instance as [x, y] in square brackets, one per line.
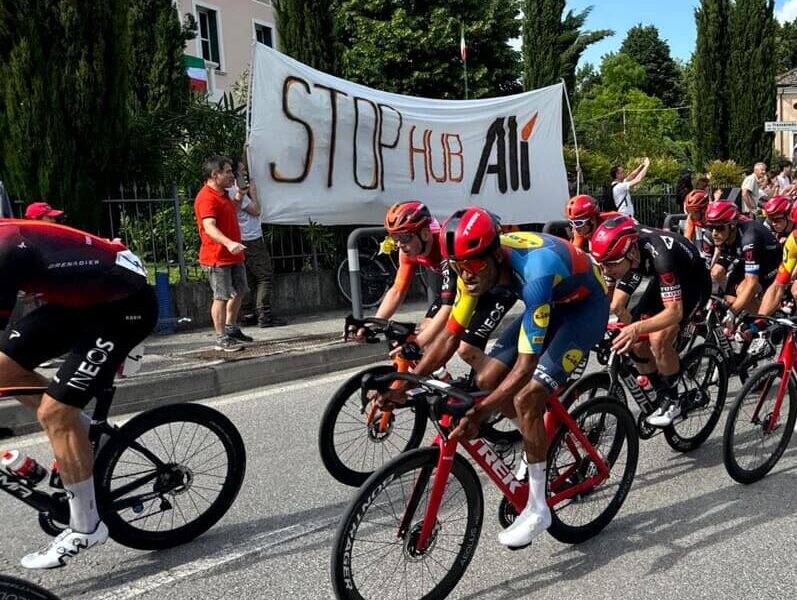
[787, 359]
[517, 492]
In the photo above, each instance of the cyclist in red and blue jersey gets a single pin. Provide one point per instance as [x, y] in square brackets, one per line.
[97, 306]
[566, 311]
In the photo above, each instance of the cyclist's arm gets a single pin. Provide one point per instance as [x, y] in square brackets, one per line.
[774, 293]
[397, 293]
[752, 251]
[689, 230]
[433, 329]
[622, 295]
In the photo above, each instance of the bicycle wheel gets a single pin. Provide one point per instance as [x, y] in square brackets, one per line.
[369, 557]
[589, 387]
[350, 448]
[703, 367]
[748, 449]
[374, 280]
[169, 475]
[14, 588]
[610, 428]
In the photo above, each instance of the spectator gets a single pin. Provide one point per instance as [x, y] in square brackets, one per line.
[622, 185]
[256, 306]
[683, 186]
[702, 183]
[785, 186]
[751, 187]
[41, 211]
[221, 252]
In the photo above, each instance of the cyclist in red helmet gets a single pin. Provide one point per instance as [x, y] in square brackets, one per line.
[695, 205]
[740, 242]
[679, 284]
[786, 271]
[566, 310]
[584, 216]
[779, 221]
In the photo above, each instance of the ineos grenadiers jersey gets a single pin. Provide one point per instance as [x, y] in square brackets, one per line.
[671, 259]
[434, 262]
[61, 265]
[755, 245]
[545, 271]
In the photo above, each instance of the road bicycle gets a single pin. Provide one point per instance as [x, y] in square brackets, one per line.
[422, 512]
[759, 424]
[356, 436]
[13, 588]
[161, 479]
[703, 388]
[377, 273]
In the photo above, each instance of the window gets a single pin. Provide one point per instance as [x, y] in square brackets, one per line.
[263, 35]
[209, 34]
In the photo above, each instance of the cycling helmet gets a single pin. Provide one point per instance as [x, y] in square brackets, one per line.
[614, 238]
[469, 233]
[721, 213]
[581, 207]
[793, 213]
[696, 200]
[779, 205]
[407, 217]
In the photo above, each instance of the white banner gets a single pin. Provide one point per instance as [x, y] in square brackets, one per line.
[335, 152]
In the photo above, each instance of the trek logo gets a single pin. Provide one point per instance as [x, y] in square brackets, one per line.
[503, 134]
[497, 466]
[471, 223]
[90, 367]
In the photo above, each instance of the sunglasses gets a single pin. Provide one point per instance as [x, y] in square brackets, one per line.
[781, 219]
[577, 223]
[720, 228]
[617, 261]
[474, 266]
[404, 239]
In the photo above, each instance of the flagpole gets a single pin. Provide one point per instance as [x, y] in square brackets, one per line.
[463, 54]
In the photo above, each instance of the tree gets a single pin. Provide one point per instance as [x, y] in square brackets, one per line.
[587, 77]
[785, 46]
[710, 114]
[307, 32]
[643, 44]
[63, 100]
[751, 74]
[413, 47]
[553, 43]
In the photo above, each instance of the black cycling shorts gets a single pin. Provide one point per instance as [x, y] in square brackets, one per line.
[98, 339]
[695, 294]
[490, 310]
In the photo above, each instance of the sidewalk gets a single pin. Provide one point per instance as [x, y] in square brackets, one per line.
[184, 366]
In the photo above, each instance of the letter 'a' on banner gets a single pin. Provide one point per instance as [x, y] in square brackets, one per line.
[339, 153]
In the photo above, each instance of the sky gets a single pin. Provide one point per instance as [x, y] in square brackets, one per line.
[673, 18]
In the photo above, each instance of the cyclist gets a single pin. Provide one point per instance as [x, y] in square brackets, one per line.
[566, 310]
[97, 306]
[779, 221]
[584, 216]
[786, 272]
[735, 241]
[679, 284]
[411, 225]
[695, 204]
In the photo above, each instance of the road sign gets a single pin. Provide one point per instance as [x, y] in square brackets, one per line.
[780, 126]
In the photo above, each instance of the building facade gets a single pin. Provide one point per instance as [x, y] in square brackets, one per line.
[786, 107]
[225, 31]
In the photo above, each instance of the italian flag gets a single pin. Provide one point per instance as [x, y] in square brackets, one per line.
[197, 73]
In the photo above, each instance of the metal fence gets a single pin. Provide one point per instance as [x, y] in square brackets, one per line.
[651, 206]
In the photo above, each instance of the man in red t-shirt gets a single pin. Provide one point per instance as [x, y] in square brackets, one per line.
[221, 252]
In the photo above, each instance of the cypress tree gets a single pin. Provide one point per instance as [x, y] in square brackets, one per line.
[306, 32]
[643, 44]
[63, 100]
[751, 73]
[710, 94]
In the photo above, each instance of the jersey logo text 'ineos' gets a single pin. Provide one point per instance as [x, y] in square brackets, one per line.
[90, 367]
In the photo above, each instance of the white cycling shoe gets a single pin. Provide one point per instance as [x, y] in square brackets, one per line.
[67, 545]
[663, 417]
[528, 525]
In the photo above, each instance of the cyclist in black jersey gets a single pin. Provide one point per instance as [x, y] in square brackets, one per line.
[97, 306]
[736, 242]
[679, 284]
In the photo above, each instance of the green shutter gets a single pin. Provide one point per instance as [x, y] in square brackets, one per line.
[214, 37]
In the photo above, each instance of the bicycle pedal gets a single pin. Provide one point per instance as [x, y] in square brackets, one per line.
[516, 548]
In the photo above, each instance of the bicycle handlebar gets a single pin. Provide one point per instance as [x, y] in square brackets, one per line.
[446, 399]
[393, 330]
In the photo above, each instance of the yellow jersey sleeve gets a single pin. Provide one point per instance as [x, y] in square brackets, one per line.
[789, 260]
[462, 311]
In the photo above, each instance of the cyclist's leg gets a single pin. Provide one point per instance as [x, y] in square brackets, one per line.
[502, 356]
[490, 311]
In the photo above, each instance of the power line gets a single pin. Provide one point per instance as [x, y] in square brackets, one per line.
[625, 110]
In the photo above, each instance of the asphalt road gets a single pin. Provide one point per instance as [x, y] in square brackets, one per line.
[686, 530]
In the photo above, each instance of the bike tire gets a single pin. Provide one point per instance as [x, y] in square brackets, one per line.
[746, 411]
[591, 417]
[374, 281]
[146, 429]
[351, 468]
[406, 470]
[682, 435]
[589, 387]
[13, 587]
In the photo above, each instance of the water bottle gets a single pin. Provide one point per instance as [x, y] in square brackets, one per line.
[23, 466]
[647, 387]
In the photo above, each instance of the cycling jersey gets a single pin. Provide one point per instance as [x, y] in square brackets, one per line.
[566, 306]
[582, 242]
[789, 260]
[755, 245]
[65, 266]
[434, 262]
[696, 233]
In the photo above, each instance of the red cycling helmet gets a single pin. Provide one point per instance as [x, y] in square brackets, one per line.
[581, 207]
[696, 200]
[793, 213]
[721, 213]
[469, 233]
[779, 205]
[614, 238]
[407, 217]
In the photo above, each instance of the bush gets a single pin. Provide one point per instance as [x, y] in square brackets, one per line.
[663, 170]
[595, 166]
[724, 173]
